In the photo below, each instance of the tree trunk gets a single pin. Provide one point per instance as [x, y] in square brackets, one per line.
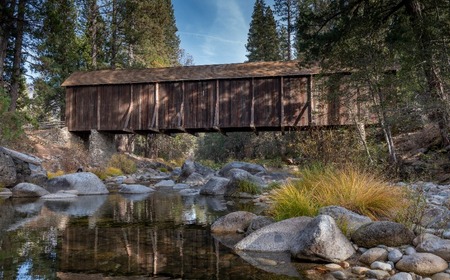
[93, 28]
[5, 32]
[436, 94]
[114, 31]
[17, 63]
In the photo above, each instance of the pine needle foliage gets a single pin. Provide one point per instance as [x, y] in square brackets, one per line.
[350, 187]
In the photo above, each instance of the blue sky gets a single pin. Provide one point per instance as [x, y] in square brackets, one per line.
[214, 31]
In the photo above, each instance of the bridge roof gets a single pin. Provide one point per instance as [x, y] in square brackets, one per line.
[188, 73]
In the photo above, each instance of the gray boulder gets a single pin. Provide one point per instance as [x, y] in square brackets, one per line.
[322, 240]
[195, 179]
[401, 276]
[259, 222]
[134, 189]
[425, 264]
[345, 218]
[165, 183]
[273, 262]
[395, 255]
[441, 276]
[233, 222]
[430, 243]
[59, 196]
[7, 170]
[215, 186]
[85, 183]
[249, 167]
[180, 186]
[276, 237]
[28, 190]
[373, 254]
[5, 192]
[189, 167]
[382, 233]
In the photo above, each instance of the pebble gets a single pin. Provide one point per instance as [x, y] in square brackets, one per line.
[401, 276]
[395, 255]
[377, 274]
[410, 250]
[381, 266]
[359, 270]
[333, 267]
[340, 275]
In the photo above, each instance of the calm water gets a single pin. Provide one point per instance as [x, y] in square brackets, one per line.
[121, 237]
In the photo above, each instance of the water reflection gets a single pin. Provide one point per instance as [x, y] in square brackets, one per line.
[159, 234]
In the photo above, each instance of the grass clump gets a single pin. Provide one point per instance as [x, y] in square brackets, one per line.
[355, 189]
[124, 163]
[51, 175]
[248, 187]
[113, 171]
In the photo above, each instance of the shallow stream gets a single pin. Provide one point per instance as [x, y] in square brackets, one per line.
[160, 235]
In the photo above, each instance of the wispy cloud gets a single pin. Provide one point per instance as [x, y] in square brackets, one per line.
[210, 37]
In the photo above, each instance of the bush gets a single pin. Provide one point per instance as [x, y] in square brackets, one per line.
[248, 187]
[122, 162]
[112, 171]
[12, 122]
[349, 187]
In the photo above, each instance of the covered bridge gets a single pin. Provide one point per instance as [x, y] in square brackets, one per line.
[261, 96]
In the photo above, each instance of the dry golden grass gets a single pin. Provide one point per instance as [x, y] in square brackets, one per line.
[123, 162]
[355, 189]
[51, 175]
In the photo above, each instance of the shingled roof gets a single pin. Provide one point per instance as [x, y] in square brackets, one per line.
[188, 73]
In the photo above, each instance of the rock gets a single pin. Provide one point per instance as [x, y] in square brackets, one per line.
[236, 176]
[259, 222]
[278, 263]
[189, 192]
[377, 265]
[85, 183]
[203, 170]
[333, 267]
[187, 169]
[180, 186]
[134, 189]
[441, 276]
[5, 192]
[215, 186]
[195, 179]
[233, 222]
[276, 237]
[165, 183]
[348, 219]
[377, 274]
[340, 275]
[249, 167]
[382, 233]
[401, 276]
[374, 254]
[59, 196]
[28, 190]
[359, 270]
[422, 263]
[8, 174]
[435, 216]
[395, 255]
[410, 250]
[322, 240]
[430, 243]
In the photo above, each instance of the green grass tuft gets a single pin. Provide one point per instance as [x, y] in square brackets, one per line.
[248, 187]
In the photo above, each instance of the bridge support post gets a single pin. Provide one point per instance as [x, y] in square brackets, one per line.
[101, 147]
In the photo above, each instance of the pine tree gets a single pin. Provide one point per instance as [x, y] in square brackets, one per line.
[287, 10]
[262, 43]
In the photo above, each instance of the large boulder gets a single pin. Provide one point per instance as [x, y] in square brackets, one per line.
[249, 167]
[215, 186]
[134, 189]
[276, 237]
[382, 233]
[345, 218]
[430, 243]
[7, 170]
[233, 222]
[322, 240]
[189, 167]
[28, 190]
[195, 179]
[259, 222]
[424, 264]
[85, 183]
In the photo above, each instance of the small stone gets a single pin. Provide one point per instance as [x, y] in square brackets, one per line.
[340, 275]
[401, 276]
[395, 255]
[441, 276]
[410, 250]
[422, 264]
[333, 267]
[377, 274]
[381, 266]
[359, 270]
[373, 254]
[344, 264]
[165, 183]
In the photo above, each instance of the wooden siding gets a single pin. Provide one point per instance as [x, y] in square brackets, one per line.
[245, 104]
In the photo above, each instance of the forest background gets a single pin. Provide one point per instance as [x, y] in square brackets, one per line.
[396, 50]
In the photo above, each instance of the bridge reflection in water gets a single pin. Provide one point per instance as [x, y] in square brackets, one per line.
[163, 235]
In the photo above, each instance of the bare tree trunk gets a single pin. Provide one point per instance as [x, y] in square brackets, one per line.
[93, 28]
[114, 35]
[17, 63]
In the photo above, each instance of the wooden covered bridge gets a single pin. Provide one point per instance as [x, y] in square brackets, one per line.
[261, 96]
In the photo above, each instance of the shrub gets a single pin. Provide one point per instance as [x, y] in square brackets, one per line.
[99, 172]
[349, 187]
[112, 171]
[122, 162]
[248, 187]
[52, 175]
